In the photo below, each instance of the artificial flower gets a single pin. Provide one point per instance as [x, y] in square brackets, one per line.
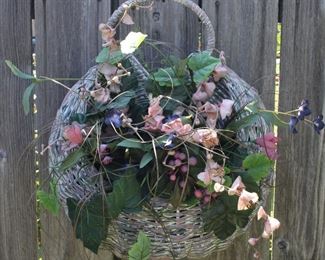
[261, 214]
[101, 95]
[292, 124]
[176, 126]
[204, 92]
[246, 199]
[155, 109]
[207, 137]
[108, 33]
[73, 133]
[268, 142]
[303, 110]
[211, 112]
[225, 108]
[219, 72]
[237, 187]
[218, 187]
[113, 117]
[270, 225]
[212, 172]
[318, 124]
[153, 123]
[253, 241]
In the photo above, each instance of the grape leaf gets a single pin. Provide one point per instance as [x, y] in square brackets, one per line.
[72, 159]
[131, 143]
[167, 77]
[121, 101]
[111, 57]
[257, 165]
[49, 201]
[125, 196]
[202, 64]
[141, 249]
[89, 220]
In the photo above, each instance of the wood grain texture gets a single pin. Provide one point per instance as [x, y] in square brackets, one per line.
[18, 236]
[67, 42]
[170, 26]
[246, 32]
[300, 195]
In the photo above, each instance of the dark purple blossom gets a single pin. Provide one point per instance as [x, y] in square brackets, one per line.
[292, 124]
[319, 124]
[113, 117]
[303, 109]
[169, 142]
[170, 118]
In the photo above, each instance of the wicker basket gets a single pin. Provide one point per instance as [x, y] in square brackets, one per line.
[174, 233]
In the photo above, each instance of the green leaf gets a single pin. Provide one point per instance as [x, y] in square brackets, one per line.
[49, 201]
[131, 143]
[90, 221]
[18, 72]
[141, 249]
[202, 64]
[257, 165]
[125, 196]
[167, 77]
[222, 216]
[122, 101]
[26, 97]
[72, 159]
[147, 158]
[111, 57]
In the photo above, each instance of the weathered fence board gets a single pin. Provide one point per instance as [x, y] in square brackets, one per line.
[67, 42]
[18, 232]
[246, 32]
[170, 27]
[300, 195]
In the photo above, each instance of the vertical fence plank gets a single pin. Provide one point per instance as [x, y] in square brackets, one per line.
[246, 32]
[67, 42]
[168, 23]
[300, 196]
[18, 232]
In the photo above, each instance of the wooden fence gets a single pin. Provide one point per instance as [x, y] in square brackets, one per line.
[67, 41]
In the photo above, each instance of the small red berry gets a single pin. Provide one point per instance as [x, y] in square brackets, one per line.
[178, 162]
[182, 156]
[184, 168]
[198, 194]
[206, 199]
[172, 177]
[192, 161]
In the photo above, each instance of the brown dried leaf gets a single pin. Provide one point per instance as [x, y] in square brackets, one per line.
[107, 32]
[127, 19]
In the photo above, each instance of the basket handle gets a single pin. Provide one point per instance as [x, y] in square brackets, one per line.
[210, 33]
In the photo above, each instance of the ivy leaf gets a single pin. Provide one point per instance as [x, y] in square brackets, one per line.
[257, 165]
[147, 158]
[49, 201]
[125, 196]
[141, 249]
[202, 64]
[17, 72]
[90, 221]
[72, 159]
[132, 41]
[106, 56]
[222, 216]
[131, 143]
[122, 101]
[167, 77]
[26, 97]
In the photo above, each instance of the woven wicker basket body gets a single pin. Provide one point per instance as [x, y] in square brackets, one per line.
[175, 233]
